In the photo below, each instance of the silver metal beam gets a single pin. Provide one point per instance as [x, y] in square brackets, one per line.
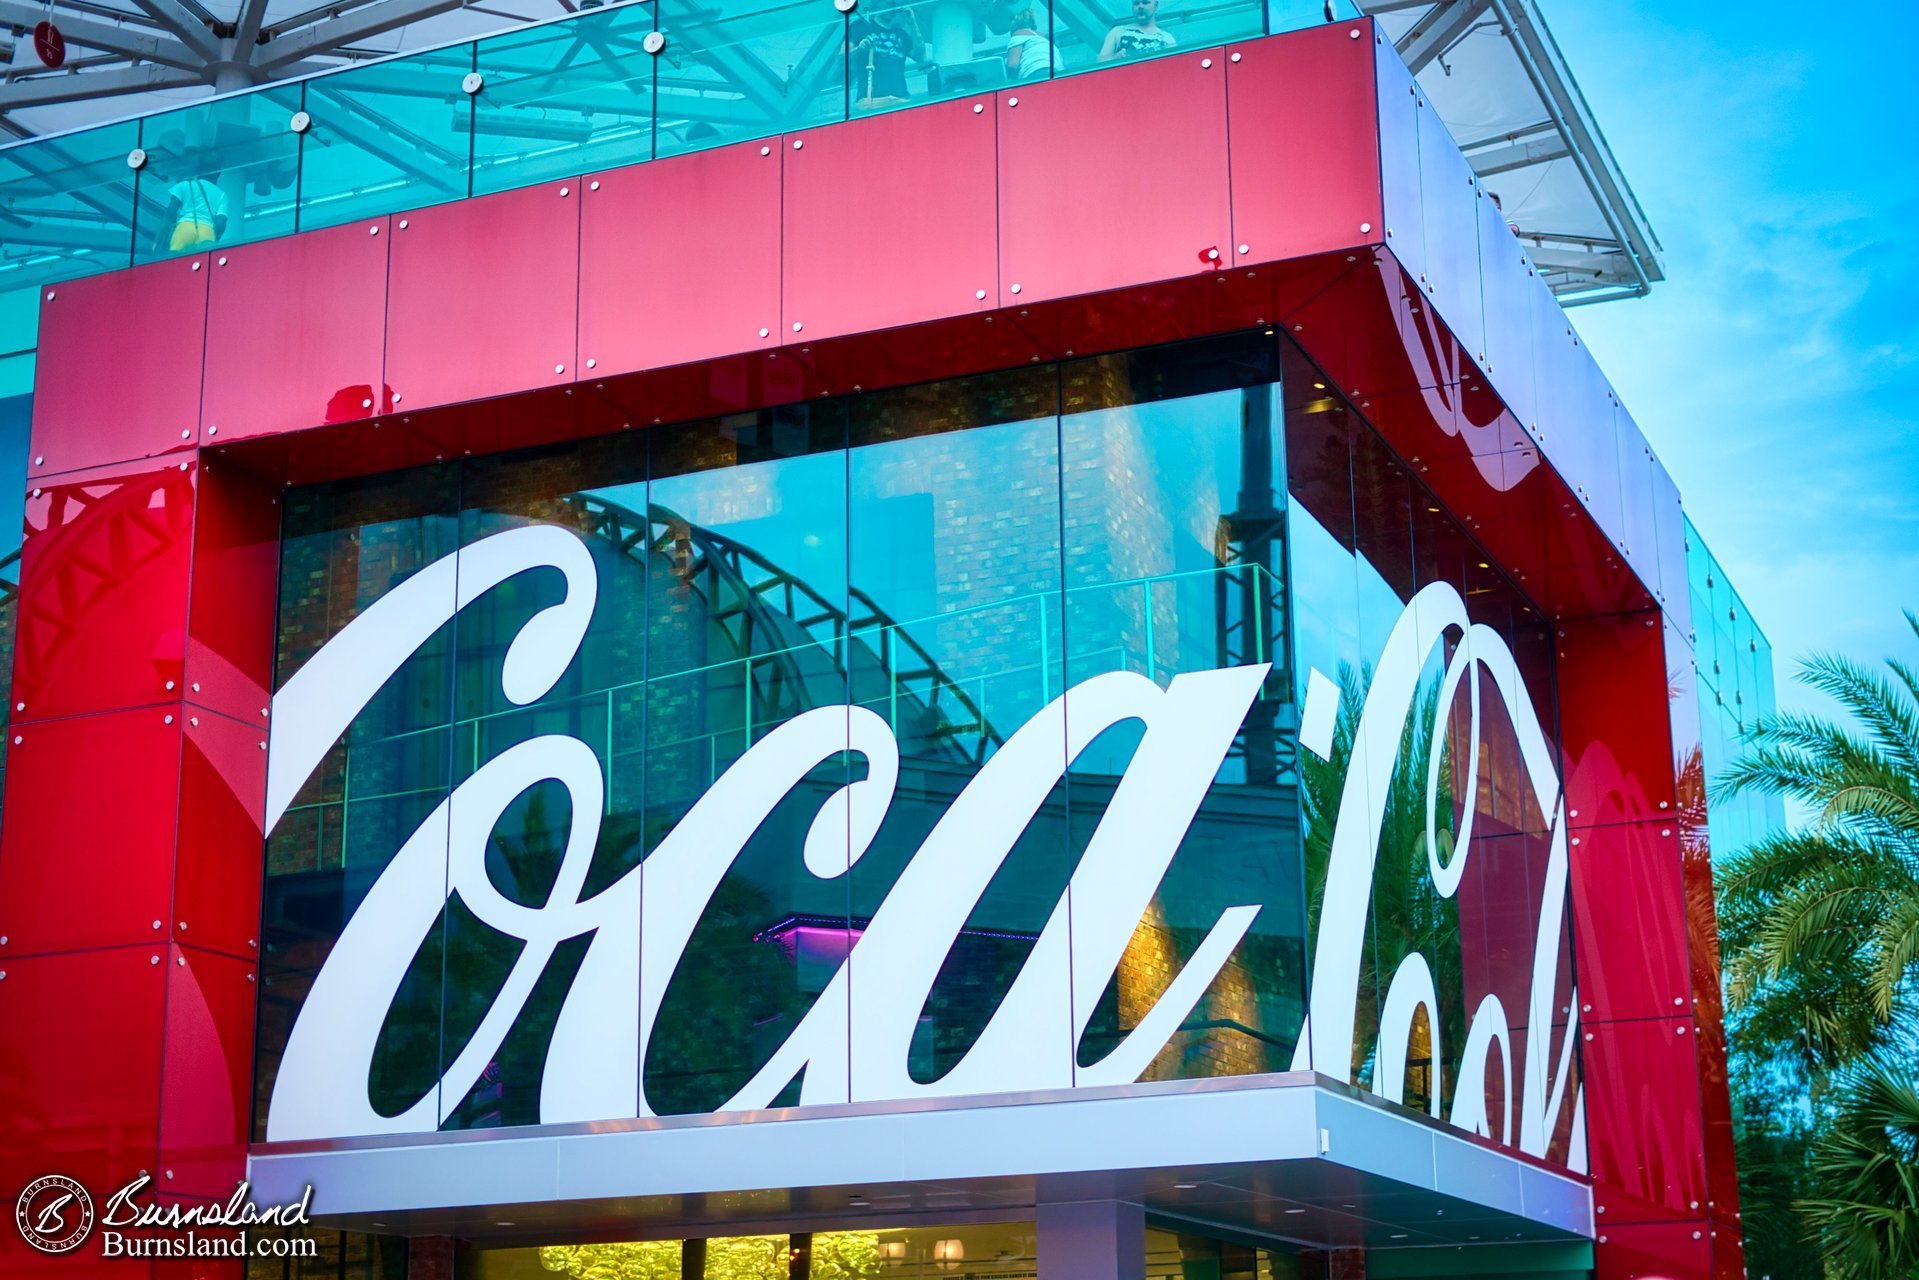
[1438, 31]
[130, 41]
[42, 91]
[191, 31]
[1518, 155]
[1546, 67]
[246, 31]
[370, 20]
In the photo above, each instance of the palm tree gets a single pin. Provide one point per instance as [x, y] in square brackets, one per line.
[1866, 1169]
[1820, 927]
[1821, 924]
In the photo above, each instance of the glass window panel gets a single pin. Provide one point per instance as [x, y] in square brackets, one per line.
[596, 490]
[66, 205]
[1006, 1250]
[388, 136]
[1383, 511]
[344, 547]
[1175, 540]
[564, 98]
[1293, 15]
[955, 564]
[914, 51]
[1089, 38]
[218, 173]
[1324, 579]
[19, 318]
[747, 69]
[747, 624]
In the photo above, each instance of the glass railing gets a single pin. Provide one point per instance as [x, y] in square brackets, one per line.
[603, 87]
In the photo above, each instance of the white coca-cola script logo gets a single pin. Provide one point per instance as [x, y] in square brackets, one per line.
[853, 1043]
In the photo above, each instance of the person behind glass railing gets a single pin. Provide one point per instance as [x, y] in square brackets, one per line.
[1139, 37]
[196, 207]
[882, 43]
[1029, 54]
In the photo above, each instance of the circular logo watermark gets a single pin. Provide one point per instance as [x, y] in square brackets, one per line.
[54, 1214]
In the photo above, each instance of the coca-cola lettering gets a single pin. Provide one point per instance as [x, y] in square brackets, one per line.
[853, 1042]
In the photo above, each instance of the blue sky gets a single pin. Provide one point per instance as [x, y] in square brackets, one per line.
[1775, 148]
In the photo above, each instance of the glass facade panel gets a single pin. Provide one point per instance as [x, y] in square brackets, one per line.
[16, 420]
[66, 205]
[1089, 39]
[955, 545]
[388, 136]
[220, 173]
[564, 98]
[915, 51]
[1058, 559]
[990, 1251]
[1173, 473]
[345, 547]
[747, 628]
[747, 70]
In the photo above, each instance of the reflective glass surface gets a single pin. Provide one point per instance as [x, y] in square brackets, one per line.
[387, 136]
[747, 70]
[1020, 579]
[1174, 529]
[564, 98]
[344, 548]
[990, 1251]
[955, 545]
[219, 173]
[67, 204]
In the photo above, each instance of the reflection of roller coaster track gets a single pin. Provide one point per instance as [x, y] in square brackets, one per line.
[94, 539]
[785, 625]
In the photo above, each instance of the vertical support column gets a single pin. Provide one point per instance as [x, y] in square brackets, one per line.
[130, 859]
[1092, 1240]
[1650, 1030]
[1346, 1264]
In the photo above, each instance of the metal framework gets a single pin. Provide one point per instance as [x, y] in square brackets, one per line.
[1497, 78]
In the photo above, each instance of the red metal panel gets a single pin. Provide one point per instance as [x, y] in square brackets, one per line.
[1728, 1249]
[890, 220]
[482, 296]
[216, 877]
[1399, 156]
[80, 1036]
[1654, 1251]
[680, 259]
[296, 332]
[119, 366]
[103, 590]
[207, 1076]
[1449, 198]
[1643, 1120]
[1629, 921]
[1614, 724]
[86, 851]
[236, 564]
[1722, 1158]
[1302, 123]
[1509, 290]
[1141, 148]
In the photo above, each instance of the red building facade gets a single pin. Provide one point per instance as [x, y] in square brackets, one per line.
[1294, 189]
